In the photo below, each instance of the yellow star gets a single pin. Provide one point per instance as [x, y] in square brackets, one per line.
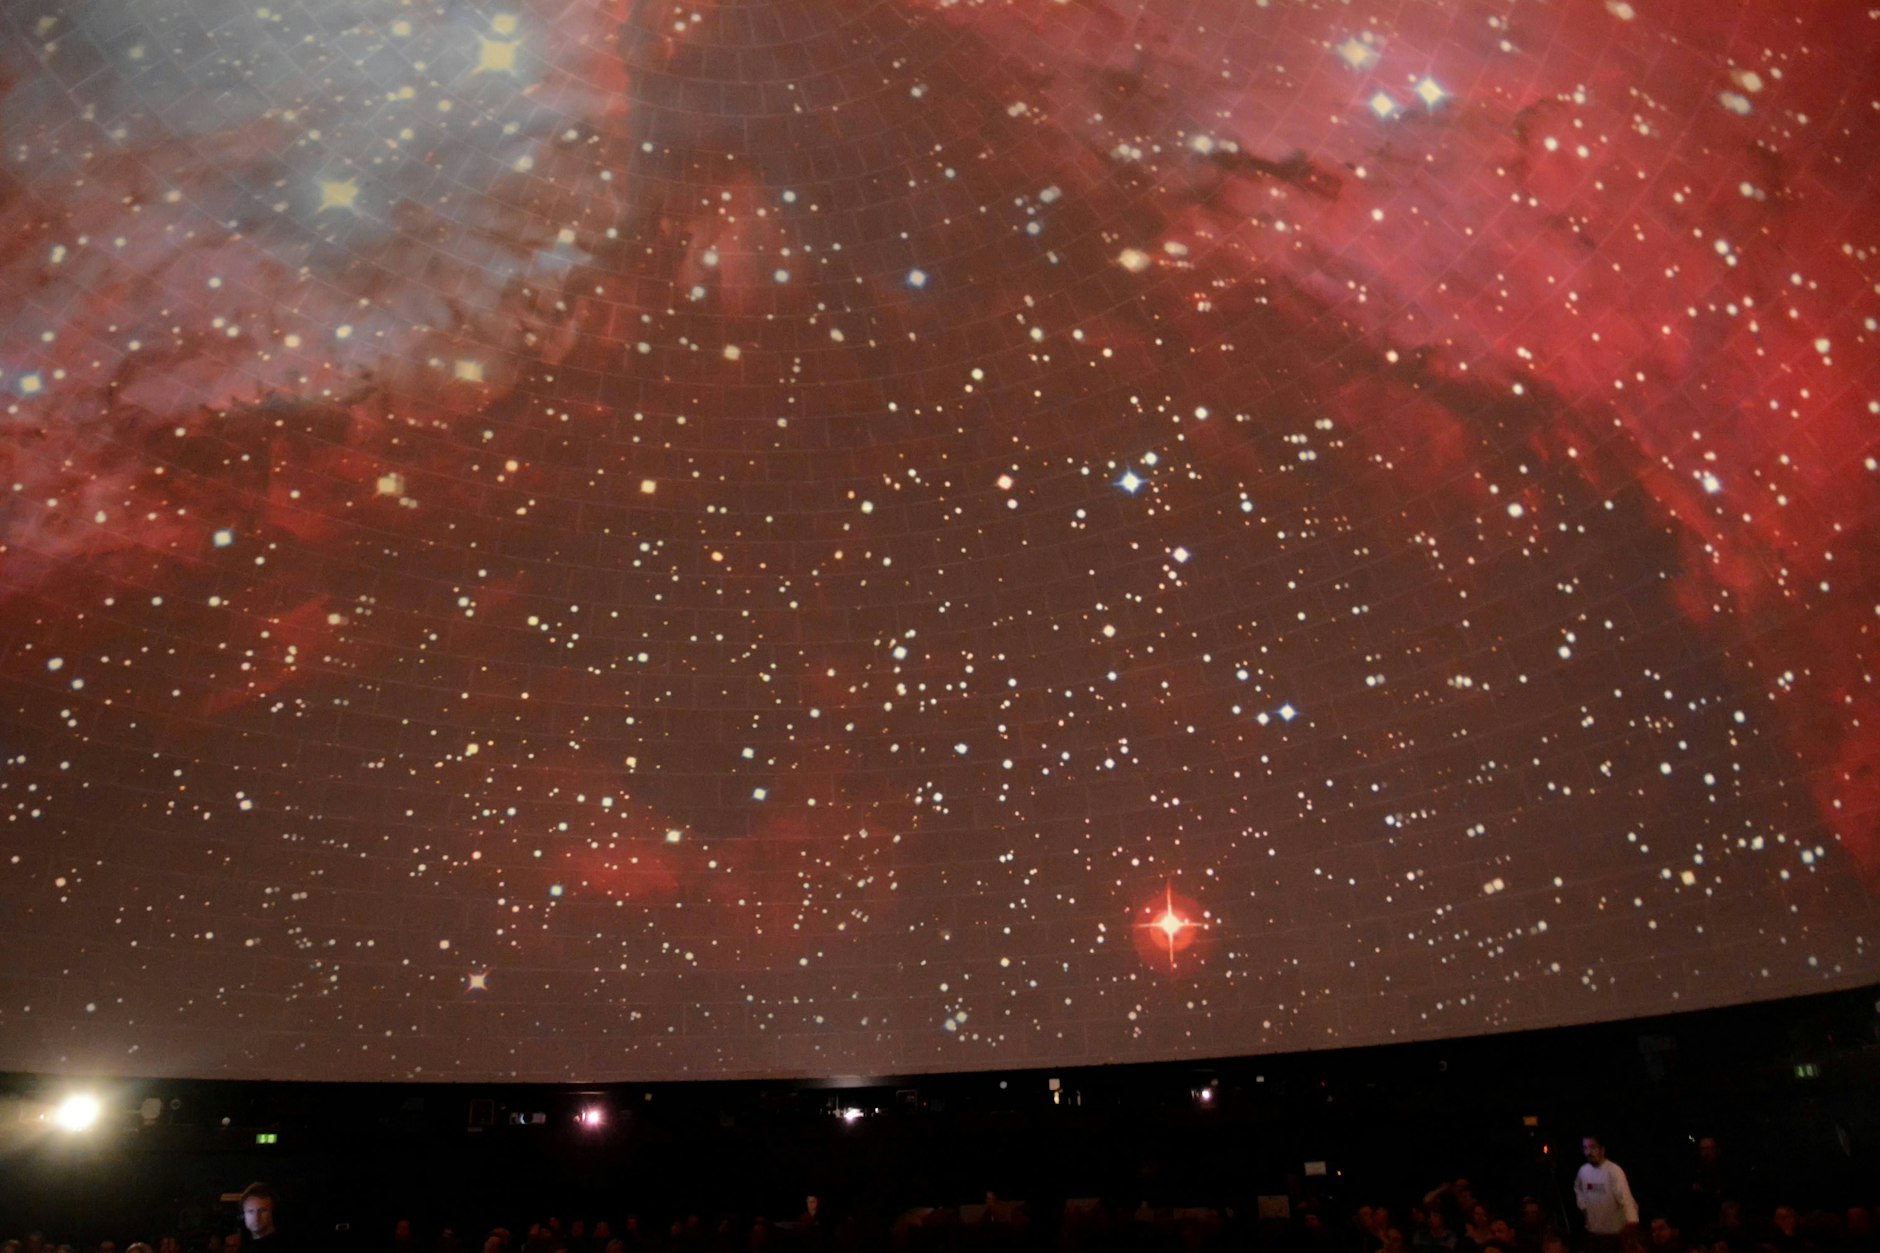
[497, 56]
[479, 981]
[338, 193]
[1357, 54]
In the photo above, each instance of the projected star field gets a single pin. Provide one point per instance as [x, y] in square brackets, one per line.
[612, 541]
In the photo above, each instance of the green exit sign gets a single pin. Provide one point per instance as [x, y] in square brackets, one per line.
[267, 1137]
[1807, 1070]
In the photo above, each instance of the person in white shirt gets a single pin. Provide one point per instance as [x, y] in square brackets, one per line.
[1604, 1197]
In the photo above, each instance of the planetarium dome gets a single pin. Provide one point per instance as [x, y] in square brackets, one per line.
[609, 541]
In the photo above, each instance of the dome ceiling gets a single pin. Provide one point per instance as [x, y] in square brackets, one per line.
[599, 541]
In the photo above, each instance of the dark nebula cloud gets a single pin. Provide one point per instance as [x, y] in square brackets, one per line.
[582, 540]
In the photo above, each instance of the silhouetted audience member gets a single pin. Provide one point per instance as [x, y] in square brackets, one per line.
[1456, 1200]
[1857, 1231]
[1665, 1238]
[632, 1236]
[725, 1238]
[1531, 1226]
[1372, 1230]
[1784, 1234]
[1477, 1231]
[1714, 1179]
[1357, 1232]
[1729, 1230]
[1436, 1236]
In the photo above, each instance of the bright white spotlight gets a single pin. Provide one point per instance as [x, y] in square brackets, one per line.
[591, 1117]
[851, 1114]
[77, 1112]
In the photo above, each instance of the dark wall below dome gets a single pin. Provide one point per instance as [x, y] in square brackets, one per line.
[1792, 1090]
